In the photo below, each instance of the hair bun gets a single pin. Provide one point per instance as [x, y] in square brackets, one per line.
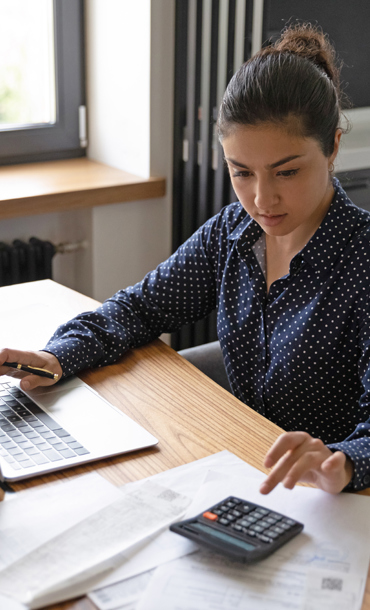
[293, 83]
[310, 42]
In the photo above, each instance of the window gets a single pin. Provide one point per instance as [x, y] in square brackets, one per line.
[41, 80]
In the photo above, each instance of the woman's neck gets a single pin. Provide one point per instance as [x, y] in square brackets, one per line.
[292, 243]
[280, 249]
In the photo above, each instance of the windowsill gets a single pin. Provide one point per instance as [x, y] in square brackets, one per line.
[56, 186]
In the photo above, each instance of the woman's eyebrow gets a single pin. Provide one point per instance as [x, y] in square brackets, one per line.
[272, 166]
[285, 160]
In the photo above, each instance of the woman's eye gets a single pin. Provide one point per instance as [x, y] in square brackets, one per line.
[288, 172]
[241, 174]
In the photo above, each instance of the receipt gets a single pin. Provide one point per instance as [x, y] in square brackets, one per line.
[121, 594]
[59, 568]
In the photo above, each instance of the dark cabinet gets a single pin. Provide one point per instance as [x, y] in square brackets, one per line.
[347, 25]
[356, 183]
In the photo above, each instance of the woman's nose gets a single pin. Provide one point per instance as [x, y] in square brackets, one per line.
[265, 196]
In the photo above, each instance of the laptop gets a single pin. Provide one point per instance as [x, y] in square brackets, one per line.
[56, 427]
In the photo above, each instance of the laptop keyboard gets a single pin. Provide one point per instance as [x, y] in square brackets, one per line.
[28, 435]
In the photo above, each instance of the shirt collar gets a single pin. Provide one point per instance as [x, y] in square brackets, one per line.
[248, 229]
[325, 245]
[330, 239]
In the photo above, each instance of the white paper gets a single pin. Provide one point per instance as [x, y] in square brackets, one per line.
[185, 480]
[208, 582]
[30, 518]
[332, 591]
[55, 570]
[32, 323]
[333, 545]
[188, 478]
[122, 594]
[11, 604]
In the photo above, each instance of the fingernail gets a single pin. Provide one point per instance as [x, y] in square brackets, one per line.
[25, 385]
[263, 488]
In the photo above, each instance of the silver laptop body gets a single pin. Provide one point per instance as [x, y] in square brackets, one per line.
[64, 425]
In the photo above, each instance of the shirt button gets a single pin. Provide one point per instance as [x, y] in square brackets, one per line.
[366, 479]
[260, 357]
[258, 402]
[294, 266]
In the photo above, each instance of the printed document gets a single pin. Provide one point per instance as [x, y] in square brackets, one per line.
[166, 546]
[66, 565]
[32, 517]
[323, 567]
[209, 582]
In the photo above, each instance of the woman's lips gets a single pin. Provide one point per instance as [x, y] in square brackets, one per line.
[272, 221]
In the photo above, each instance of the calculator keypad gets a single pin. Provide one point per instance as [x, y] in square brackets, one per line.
[239, 529]
[251, 520]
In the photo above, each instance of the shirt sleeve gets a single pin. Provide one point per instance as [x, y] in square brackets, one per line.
[179, 291]
[357, 445]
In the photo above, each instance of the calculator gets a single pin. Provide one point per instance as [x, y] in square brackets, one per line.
[239, 529]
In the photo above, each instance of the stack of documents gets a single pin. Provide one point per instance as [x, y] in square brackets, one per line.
[66, 565]
[324, 567]
[30, 518]
[126, 558]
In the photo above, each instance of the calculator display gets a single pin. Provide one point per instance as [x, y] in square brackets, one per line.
[223, 536]
[240, 529]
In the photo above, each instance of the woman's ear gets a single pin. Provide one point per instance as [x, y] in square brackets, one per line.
[337, 137]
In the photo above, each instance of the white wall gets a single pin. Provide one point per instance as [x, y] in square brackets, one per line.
[354, 152]
[130, 54]
[118, 83]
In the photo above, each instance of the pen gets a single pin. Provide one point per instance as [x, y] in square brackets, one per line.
[32, 369]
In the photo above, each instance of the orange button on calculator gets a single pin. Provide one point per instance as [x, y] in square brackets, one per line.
[209, 515]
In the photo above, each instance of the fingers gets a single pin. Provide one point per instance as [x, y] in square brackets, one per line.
[285, 442]
[309, 467]
[13, 355]
[30, 382]
[283, 454]
[42, 360]
[334, 462]
[296, 456]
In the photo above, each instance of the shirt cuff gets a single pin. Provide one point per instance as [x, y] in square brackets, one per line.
[68, 355]
[359, 452]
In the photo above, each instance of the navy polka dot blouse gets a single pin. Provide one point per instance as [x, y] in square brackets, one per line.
[299, 355]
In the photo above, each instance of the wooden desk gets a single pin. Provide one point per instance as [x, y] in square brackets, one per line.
[190, 415]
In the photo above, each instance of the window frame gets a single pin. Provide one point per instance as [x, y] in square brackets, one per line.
[61, 140]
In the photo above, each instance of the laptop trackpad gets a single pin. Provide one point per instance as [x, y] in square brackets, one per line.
[89, 418]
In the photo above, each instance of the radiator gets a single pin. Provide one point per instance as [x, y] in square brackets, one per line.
[26, 261]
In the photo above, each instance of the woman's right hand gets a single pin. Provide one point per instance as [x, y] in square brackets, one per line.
[41, 360]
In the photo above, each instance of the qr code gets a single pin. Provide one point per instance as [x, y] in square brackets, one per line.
[169, 495]
[332, 584]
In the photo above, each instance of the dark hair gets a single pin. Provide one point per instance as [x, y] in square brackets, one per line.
[296, 82]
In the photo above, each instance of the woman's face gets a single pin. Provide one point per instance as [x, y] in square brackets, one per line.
[281, 180]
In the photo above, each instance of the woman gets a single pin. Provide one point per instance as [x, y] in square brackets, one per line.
[286, 267]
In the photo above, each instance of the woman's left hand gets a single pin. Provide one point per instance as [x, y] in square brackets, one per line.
[297, 456]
